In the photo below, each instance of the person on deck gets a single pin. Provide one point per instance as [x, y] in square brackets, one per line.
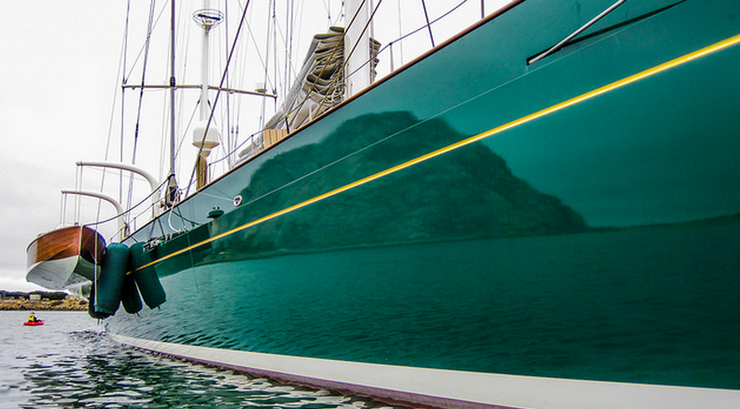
[32, 317]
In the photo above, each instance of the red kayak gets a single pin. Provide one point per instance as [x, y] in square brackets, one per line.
[33, 323]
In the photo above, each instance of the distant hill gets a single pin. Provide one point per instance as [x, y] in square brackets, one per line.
[48, 301]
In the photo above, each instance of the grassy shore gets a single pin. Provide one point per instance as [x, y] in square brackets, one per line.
[54, 305]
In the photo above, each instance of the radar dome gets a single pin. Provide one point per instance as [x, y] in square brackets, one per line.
[211, 139]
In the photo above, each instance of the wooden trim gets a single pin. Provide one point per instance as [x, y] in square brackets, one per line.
[66, 242]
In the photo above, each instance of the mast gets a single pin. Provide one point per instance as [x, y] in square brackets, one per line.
[205, 136]
[357, 52]
[173, 193]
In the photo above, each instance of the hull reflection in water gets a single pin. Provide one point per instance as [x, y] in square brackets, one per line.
[516, 311]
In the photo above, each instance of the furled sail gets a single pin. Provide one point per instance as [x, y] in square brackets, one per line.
[319, 86]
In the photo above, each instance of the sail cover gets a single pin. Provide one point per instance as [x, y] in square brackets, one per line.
[320, 83]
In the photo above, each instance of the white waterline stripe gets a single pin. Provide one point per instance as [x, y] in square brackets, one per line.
[447, 388]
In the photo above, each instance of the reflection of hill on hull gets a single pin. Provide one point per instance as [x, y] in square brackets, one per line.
[468, 193]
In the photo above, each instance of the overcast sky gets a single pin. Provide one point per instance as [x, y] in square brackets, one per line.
[57, 78]
[58, 82]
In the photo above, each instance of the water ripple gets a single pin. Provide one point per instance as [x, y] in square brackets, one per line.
[57, 368]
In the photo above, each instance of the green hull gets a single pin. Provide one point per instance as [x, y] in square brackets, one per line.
[573, 218]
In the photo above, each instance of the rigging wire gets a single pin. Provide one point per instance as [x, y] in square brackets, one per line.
[142, 50]
[130, 209]
[275, 32]
[289, 40]
[63, 213]
[429, 25]
[262, 59]
[141, 94]
[290, 28]
[164, 142]
[185, 134]
[327, 7]
[447, 13]
[78, 187]
[143, 79]
[234, 105]
[241, 75]
[124, 80]
[249, 139]
[383, 49]
[121, 68]
[271, 30]
[400, 33]
[228, 85]
[181, 105]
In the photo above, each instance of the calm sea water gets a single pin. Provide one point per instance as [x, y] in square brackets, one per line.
[70, 363]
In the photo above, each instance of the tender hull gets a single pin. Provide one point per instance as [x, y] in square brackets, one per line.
[65, 258]
[576, 218]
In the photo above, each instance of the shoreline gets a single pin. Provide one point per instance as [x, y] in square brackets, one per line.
[52, 305]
